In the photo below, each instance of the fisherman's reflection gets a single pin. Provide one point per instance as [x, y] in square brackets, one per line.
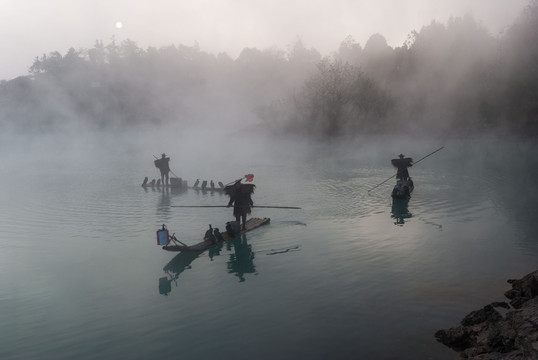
[242, 259]
[165, 199]
[400, 211]
[241, 262]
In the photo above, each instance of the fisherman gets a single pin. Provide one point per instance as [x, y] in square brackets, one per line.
[240, 198]
[163, 165]
[402, 164]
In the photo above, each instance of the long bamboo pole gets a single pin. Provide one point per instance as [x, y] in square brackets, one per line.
[414, 163]
[430, 154]
[225, 206]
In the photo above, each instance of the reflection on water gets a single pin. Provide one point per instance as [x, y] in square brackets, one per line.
[284, 250]
[174, 268]
[214, 251]
[74, 232]
[166, 197]
[164, 190]
[400, 211]
[241, 261]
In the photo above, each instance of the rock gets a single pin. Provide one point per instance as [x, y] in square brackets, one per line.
[523, 290]
[487, 334]
[486, 314]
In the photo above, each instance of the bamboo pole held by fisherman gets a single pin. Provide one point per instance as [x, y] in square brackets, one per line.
[414, 163]
[168, 167]
[225, 206]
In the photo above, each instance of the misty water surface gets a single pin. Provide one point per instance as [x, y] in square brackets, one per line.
[350, 275]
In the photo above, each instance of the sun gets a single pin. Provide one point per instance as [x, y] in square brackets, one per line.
[119, 25]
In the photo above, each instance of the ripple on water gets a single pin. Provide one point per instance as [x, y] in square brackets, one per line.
[345, 199]
[338, 264]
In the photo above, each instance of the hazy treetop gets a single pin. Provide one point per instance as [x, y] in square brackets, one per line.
[31, 28]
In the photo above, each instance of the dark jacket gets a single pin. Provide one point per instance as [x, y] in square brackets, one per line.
[163, 165]
[402, 164]
[240, 198]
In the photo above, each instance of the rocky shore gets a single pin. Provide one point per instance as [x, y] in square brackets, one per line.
[500, 330]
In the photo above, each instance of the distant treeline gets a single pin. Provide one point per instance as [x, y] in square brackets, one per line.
[452, 78]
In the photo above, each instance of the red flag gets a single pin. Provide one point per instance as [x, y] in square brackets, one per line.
[249, 177]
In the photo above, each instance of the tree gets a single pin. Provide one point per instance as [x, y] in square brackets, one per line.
[519, 68]
[349, 51]
[340, 99]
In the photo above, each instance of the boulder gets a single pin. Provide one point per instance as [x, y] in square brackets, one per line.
[490, 334]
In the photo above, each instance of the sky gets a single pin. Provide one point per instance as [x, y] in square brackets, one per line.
[30, 28]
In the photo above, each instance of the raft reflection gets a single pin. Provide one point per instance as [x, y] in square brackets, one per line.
[174, 268]
[241, 262]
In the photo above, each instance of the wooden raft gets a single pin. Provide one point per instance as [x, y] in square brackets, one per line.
[251, 224]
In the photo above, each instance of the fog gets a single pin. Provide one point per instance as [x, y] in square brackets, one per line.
[314, 109]
[31, 28]
[447, 79]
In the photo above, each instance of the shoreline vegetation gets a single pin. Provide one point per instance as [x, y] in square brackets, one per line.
[453, 79]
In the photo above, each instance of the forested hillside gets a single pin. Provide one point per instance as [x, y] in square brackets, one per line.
[452, 78]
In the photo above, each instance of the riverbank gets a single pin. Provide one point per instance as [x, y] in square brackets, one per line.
[500, 330]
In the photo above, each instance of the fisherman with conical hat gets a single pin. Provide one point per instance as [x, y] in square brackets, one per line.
[402, 164]
[163, 165]
[240, 198]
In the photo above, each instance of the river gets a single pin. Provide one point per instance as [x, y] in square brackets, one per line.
[350, 275]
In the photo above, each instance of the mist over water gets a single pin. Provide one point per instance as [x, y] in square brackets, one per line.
[350, 275]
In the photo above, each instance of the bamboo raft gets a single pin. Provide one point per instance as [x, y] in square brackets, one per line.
[175, 245]
[179, 183]
[174, 183]
[198, 188]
